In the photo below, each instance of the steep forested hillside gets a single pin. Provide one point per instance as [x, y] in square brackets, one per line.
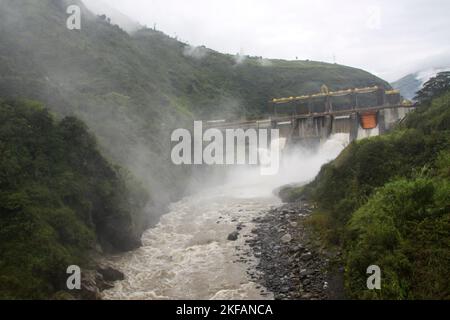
[386, 201]
[132, 90]
[58, 198]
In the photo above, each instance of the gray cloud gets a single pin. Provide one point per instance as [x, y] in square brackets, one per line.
[388, 38]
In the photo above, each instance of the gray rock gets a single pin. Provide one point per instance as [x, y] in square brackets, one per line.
[89, 288]
[286, 238]
[306, 256]
[306, 273]
[233, 236]
[110, 274]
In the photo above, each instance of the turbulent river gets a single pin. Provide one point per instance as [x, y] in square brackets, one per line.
[188, 256]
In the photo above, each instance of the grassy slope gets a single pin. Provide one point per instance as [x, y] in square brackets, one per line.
[386, 201]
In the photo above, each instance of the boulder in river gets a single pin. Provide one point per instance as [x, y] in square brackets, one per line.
[233, 236]
[110, 274]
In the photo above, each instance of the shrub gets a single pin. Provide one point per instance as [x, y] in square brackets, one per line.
[402, 230]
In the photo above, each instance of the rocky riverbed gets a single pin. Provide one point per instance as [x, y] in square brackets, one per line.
[292, 263]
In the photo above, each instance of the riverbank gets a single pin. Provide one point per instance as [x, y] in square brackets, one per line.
[292, 263]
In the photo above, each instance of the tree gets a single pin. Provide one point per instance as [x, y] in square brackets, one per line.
[434, 87]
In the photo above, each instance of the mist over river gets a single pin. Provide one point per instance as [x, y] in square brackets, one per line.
[188, 254]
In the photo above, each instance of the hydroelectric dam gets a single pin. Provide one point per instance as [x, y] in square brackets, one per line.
[312, 119]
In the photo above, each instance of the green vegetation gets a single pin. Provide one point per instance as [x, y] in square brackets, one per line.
[58, 198]
[386, 202]
[404, 229]
[290, 193]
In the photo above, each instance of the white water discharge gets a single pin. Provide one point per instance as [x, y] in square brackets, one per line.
[367, 133]
[187, 255]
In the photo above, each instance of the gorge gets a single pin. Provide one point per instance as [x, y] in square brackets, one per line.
[87, 176]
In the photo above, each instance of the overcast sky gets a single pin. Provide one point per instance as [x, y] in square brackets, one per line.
[389, 38]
